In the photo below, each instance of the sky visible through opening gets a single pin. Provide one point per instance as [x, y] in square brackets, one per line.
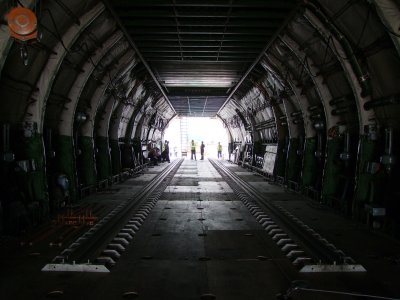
[209, 130]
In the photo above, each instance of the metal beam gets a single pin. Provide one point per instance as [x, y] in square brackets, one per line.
[200, 60]
[194, 31]
[208, 54]
[287, 20]
[204, 107]
[195, 50]
[200, 3]
[129, 38]
[203, 38]
[157, 22]
[188, 101]
[197, 44]
[127, 13]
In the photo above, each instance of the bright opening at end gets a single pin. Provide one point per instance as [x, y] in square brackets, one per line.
[182, 130]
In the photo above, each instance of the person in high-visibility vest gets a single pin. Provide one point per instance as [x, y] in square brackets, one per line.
[219, 148]
[193, 150]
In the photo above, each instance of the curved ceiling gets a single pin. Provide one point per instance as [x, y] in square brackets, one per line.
[203, 58]
[313, 84]
[251, 63]
[200, 50]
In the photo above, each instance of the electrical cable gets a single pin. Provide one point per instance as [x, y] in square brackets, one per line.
[20, 4]
[325, 56]
[344, 8]
[344, 293]
[80, 49]
[316, 41]
[387, 29]
[357, 45]
[363, 28]
[330, 37]
[334, 48]
[306, 66]
[57, 34]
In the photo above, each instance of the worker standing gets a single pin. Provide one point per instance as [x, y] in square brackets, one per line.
[165, 154]
[219, 148]
[152, 155]
[193, 150]
[202, 146]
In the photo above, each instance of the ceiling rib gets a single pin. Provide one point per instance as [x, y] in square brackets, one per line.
[201, 49]
[238, 4]
[262, 53]
[129, 38]
[204, 107]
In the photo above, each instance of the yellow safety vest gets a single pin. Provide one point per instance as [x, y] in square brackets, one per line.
[219, 147]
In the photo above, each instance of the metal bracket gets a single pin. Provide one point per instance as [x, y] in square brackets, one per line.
[75, 268]
[332, 268]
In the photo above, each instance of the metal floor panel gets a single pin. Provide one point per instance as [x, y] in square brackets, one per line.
[186, 248]
[204, 187]
[197, 195]
[241, 173]
[265, 187]
[144, 177]
[197, 175]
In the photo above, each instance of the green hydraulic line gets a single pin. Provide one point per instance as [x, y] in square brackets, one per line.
[363, 78]
[37, 179]
[293, 160]
[103, 158]
[280, 162]
[332, 170]
[137, 148]
[66, 163]
[366, 153]
[309, 163]
[87, 164]
[115, 157]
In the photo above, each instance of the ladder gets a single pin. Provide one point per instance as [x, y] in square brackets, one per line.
[184, 136]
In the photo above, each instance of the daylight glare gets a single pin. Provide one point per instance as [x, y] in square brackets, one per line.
[209, 130]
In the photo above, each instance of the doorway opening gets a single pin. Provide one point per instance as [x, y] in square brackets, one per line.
[182, 130]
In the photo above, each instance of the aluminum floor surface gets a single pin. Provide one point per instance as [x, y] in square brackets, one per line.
[200, 241]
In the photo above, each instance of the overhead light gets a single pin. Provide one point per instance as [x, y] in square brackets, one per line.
[22, 23]
[80, 117]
